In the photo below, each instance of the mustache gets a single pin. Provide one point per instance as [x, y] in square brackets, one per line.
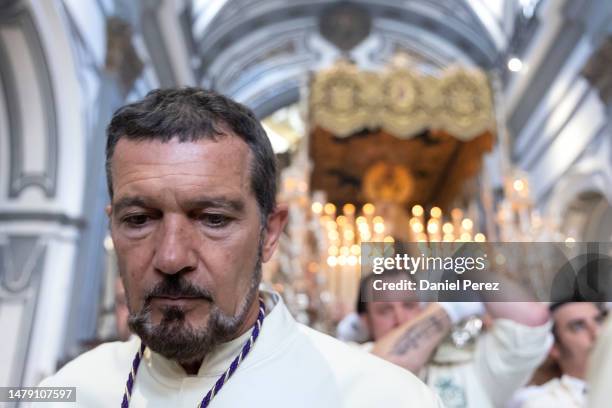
[175, 287]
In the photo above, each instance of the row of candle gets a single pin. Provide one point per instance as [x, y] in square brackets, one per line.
[458, 229]
[344, 232]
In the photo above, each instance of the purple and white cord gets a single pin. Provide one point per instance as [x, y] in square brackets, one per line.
[222, 379]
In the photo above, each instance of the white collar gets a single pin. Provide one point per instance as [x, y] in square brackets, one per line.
[278, 327]
[573, 382]
[575, 387]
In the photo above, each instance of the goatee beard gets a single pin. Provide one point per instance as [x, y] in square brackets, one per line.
[173, 337]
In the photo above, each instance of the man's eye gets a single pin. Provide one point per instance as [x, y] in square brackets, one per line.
[384, 310]
[410, 305]
[137, 220]
[577, 326]
[214, 220]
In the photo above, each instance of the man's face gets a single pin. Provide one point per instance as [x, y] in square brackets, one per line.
[382, 317]
[577, 326]
[189, 240]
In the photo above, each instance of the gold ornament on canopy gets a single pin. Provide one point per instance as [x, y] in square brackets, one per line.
[401, 101]
[388, 183]
[405, 110]
[345, 98]
[466, 106]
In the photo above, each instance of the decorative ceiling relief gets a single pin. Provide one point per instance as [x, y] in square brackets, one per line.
[121, 57]
[345, 25]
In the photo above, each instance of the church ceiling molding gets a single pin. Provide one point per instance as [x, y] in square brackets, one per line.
[452, 20]
[282, 48]
[403, 102]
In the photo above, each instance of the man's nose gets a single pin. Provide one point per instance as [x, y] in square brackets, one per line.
[398, 315]
[402, 314]
[174, 249]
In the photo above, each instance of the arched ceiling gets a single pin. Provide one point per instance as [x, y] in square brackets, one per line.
[261, 51]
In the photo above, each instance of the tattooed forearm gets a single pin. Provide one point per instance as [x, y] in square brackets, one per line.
[414, 336]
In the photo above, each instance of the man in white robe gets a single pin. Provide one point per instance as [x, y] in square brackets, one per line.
[483, 372]
[576, 328]
[193, 215]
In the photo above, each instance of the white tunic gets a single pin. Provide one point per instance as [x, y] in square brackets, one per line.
[564, 392]
[486, 376]
[289, 365]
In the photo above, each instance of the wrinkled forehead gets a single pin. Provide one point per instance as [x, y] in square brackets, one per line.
[178, 150]
[226, 159]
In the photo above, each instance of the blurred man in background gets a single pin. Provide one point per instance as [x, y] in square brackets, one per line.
[465, 367]
[576, 326]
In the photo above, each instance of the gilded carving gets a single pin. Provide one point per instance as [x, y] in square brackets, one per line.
[388, 183]
[345, 99]
[401, 101]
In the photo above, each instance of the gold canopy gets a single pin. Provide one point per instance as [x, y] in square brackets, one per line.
[401, 101]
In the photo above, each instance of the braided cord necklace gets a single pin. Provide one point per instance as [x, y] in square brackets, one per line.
[222, 379]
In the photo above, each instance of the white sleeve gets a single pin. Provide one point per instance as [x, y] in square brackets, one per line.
[507, 356]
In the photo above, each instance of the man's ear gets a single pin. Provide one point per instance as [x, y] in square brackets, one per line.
[555, 351]
[108, 210]
[276, 224]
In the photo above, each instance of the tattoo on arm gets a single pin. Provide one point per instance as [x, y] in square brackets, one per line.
[413, 337]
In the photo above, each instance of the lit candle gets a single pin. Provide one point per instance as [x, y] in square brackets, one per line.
[433, 229]
[418, 211]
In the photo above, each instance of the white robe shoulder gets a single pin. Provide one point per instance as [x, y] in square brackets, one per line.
[369, 381]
